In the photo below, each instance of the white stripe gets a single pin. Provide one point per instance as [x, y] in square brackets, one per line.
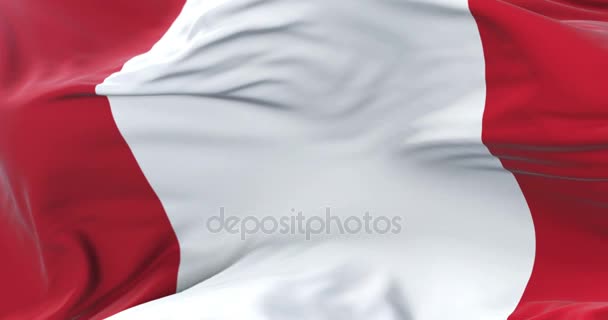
[261, 106]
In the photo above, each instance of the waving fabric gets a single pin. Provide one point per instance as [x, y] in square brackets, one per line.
[285, 159]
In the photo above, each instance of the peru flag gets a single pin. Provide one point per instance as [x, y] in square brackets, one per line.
[319, 159]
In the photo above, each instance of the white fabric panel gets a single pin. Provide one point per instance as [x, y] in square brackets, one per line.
[263, 106]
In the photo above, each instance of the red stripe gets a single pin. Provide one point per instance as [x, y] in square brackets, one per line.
[546, 117]
[82, 233]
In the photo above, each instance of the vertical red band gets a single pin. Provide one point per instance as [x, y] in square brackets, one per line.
[80, 227]
[546, 118]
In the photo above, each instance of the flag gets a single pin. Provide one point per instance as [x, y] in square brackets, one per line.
[320, 159]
